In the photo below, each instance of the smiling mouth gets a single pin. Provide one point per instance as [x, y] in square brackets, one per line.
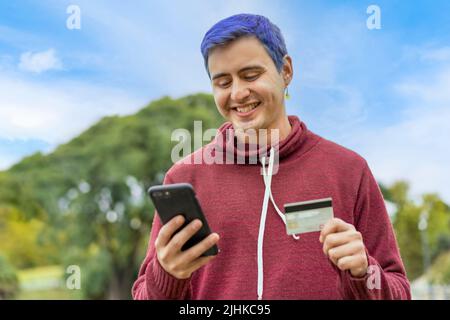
[247, 108]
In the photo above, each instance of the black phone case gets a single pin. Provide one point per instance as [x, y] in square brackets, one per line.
[171, 200]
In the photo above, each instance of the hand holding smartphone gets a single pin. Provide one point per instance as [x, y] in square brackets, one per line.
[183, 244]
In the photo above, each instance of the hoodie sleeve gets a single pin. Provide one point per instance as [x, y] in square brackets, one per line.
[386, 276]
[153, 282]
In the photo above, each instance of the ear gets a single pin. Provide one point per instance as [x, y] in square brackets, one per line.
[287, 70]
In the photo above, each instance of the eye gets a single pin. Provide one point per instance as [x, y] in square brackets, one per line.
[251, 77]
[224, 84]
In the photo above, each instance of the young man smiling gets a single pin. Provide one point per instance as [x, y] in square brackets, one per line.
[247, 61]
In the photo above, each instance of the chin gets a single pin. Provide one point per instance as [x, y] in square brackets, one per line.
[245, 125]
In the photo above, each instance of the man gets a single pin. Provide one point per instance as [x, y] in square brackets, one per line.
[355, 256]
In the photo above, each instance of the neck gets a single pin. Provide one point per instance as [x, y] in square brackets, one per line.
[284, 129]
[267, 136]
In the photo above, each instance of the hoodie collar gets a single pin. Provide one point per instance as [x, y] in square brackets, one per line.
[225, 142]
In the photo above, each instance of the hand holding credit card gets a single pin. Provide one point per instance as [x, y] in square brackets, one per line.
[312, 216]
[308, 216]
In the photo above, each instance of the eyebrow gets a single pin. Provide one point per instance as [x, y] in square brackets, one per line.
[248, 68]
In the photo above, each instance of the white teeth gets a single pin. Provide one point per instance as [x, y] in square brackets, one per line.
[248, 108]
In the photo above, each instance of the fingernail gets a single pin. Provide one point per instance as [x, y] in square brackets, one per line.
[197, 223]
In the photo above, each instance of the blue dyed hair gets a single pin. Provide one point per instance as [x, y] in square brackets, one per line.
[240, 25]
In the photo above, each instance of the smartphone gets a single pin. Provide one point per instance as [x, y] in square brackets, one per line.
[171, 200]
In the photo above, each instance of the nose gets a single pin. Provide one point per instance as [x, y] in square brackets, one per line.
[239, 91]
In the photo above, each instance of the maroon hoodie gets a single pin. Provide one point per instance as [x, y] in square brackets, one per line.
[256, 261]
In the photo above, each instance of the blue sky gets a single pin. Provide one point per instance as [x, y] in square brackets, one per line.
[383, 93]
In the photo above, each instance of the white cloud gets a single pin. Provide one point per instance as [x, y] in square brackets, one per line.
[152, 49]
[39, 61]
[438, 54]
[416, 148]
[434, 90]
[55, 115]
[20, 39]
[57, 111]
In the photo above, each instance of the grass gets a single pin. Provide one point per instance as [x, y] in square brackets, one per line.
[40, 272]
[46, 283]
[50, 294]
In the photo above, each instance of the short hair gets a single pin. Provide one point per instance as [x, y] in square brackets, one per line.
[240, 25]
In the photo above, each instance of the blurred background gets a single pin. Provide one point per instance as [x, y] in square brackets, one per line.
[90, 92]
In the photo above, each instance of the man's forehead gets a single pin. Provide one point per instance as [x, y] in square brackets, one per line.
[236, 55]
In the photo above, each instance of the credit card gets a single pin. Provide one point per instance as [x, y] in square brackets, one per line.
[307, 216]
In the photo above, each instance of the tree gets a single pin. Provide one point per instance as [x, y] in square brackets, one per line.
[21, 241]
[406, 225]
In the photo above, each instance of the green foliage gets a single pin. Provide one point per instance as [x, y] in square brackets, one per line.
[20, 239]
[440, 271]
[9, 285]
[88, 197]
[435, 237]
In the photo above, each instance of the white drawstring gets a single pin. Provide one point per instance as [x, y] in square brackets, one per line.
[281, 214]
[267, 195]
[262, 223]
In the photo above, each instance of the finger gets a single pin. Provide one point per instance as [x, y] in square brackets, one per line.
[338, 239]
[334, 225]
[200, 262]
[181, 237]
[352, 262]
[167, 230]
[196, 251]
[349, 249]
